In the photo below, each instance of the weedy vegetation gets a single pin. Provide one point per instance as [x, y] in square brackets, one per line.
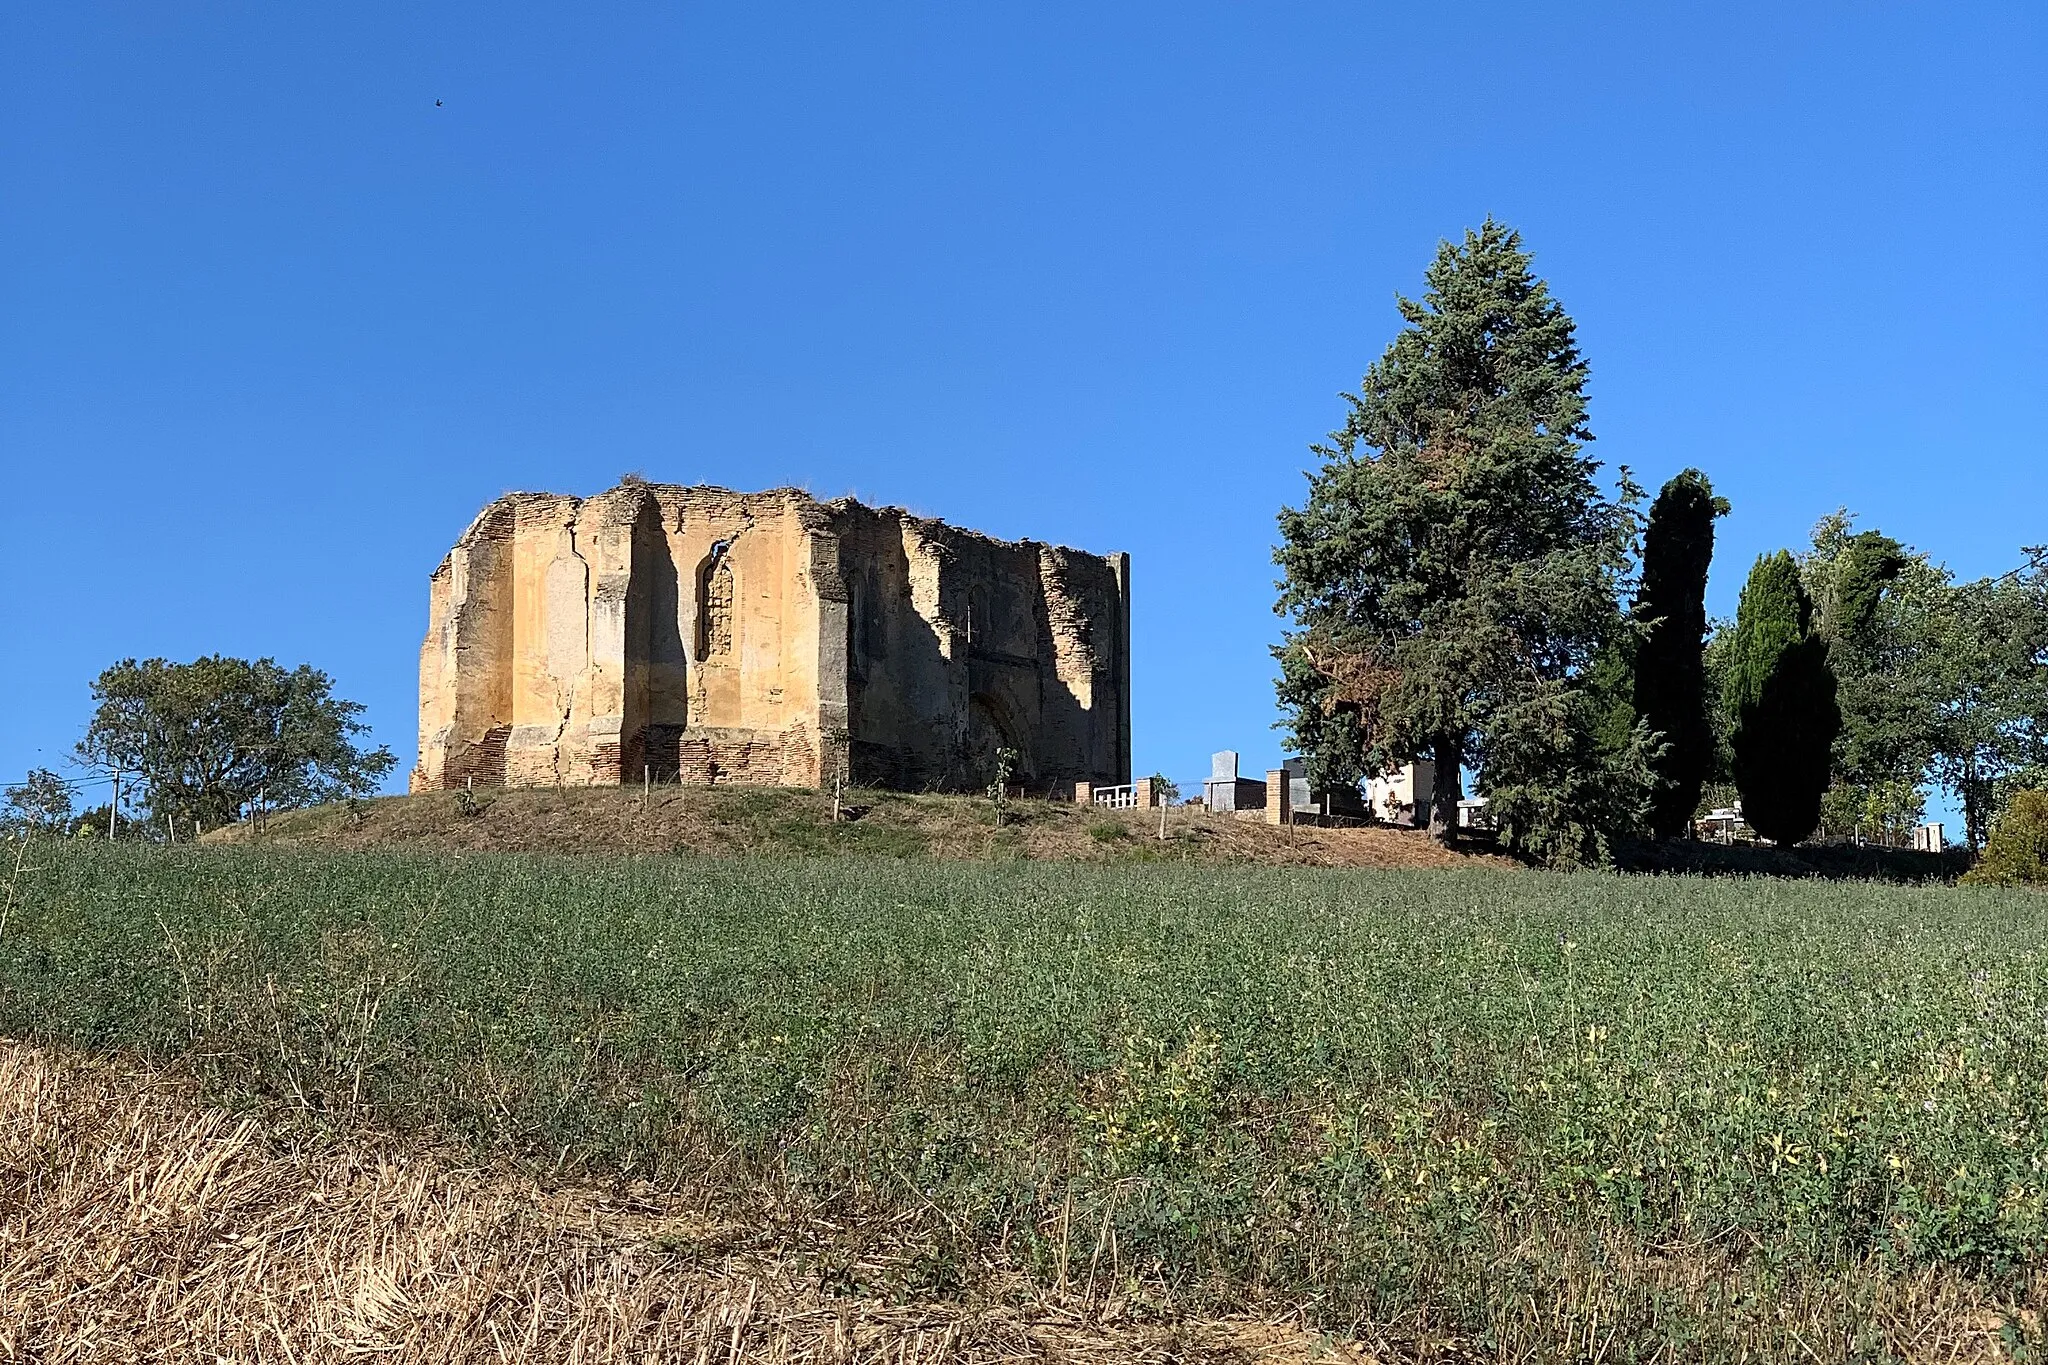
[1469, 1114]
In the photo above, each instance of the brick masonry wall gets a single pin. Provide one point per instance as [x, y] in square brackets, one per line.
[1279, 806]
[481, 763]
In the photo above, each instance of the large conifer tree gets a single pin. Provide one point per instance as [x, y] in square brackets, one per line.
[1455, 567]
[1781, 692]
[1670, 674]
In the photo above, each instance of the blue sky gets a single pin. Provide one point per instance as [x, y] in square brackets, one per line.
[273, 325]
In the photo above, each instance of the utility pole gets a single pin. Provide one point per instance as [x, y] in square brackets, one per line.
[114, 806]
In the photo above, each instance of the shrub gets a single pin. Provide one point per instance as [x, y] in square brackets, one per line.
[2017, 853]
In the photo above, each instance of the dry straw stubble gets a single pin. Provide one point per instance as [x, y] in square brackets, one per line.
[138, 1225]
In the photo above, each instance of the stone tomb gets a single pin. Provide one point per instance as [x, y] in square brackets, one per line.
[664, 632]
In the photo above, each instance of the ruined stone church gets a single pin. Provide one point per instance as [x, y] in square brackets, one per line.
[662, 632]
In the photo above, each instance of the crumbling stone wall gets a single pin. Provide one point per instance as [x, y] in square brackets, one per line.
[766, 638]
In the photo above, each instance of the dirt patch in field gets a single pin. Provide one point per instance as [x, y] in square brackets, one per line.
[737, 820]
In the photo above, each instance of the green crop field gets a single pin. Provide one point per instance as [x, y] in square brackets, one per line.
[1487, 1106]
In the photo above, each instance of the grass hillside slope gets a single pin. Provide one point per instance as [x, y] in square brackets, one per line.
[776, 821]
[1469, 1115]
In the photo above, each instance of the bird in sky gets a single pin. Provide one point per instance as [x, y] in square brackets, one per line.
[437, 104]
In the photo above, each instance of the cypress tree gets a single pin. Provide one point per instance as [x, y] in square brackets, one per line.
[1670, 681]
[1781, 691]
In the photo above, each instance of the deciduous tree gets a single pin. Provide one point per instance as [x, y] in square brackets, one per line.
[39, 805]
[1988, 661]
[208, 738]
[1871, 599]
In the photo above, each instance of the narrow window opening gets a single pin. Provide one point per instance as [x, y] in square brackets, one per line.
[714, 605]
[977, 618]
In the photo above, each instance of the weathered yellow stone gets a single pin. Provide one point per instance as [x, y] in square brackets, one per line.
[661, 631]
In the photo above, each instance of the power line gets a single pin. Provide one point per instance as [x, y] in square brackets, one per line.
[70, 783]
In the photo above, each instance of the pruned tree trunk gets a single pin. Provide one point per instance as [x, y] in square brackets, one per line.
[1448, 753]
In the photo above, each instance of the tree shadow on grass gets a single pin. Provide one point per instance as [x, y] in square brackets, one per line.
[1832, 862]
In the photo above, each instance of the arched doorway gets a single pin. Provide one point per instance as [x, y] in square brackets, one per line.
[989, 728]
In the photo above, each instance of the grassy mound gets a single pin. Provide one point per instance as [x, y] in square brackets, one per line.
[775, 821]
